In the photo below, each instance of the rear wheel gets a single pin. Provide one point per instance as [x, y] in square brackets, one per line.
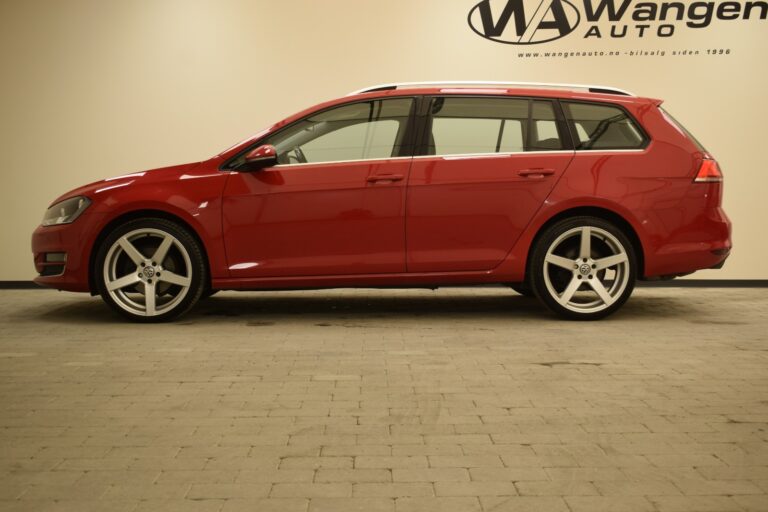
[583, 268]
[150, 270]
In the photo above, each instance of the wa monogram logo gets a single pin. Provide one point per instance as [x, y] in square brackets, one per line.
[541, 21]
[524, 21]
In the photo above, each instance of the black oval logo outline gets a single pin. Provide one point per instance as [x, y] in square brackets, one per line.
[572, 28]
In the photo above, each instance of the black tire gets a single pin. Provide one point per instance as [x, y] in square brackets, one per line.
[208, 293]
[523, 289]
[185, 255]
[554, 284]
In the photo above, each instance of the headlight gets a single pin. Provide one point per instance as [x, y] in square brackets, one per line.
[66, 211]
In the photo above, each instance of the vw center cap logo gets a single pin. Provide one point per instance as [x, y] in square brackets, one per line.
[585, 269]
[149, 272]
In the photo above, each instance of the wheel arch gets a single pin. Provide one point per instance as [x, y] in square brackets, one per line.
[139, 214]
[593, 211]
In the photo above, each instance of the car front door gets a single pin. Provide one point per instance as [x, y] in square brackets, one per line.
[489, 164]
[334, 204]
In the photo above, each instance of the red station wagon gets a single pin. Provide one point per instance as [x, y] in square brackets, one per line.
[567, 192]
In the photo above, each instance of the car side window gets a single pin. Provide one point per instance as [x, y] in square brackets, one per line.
[465, 125]
[544, 135]
[358, 131]
[602, 127]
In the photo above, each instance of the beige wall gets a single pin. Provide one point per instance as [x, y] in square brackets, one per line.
[92, 89]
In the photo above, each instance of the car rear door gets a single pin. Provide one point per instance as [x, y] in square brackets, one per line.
[489, 164]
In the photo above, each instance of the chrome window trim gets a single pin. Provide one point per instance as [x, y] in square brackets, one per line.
[457, 156]
[590, 151]
[343, 161]
[461, 156]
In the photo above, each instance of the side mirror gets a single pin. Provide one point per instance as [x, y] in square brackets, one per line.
[259, 158]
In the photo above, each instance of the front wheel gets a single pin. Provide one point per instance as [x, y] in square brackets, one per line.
[150, 270]
[583, 268]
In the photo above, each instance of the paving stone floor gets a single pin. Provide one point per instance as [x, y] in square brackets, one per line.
[409, 401]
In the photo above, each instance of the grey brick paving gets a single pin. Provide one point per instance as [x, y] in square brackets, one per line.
[459, 399]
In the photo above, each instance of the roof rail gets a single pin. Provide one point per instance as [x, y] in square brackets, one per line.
[589, 88]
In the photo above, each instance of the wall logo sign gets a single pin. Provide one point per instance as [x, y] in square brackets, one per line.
[532, 21]
[524, 22]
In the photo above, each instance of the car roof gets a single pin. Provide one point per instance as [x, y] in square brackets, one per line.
[541, 89]
[494, 84]
[498, 91]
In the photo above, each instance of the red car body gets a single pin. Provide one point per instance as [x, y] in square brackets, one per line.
[410, 221]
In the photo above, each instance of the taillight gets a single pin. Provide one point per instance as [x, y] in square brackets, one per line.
[709, 172]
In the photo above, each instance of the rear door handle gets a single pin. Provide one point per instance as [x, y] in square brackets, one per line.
[385, 177]
[535, 173]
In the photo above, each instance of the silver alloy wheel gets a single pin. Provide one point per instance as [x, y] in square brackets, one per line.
[147, 285]
[598, 275]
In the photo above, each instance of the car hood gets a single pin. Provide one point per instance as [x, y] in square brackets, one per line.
[149, 176]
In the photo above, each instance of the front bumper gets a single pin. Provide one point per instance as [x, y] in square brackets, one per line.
[75, 240]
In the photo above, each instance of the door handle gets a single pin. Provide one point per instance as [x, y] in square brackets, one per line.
[385, 177]
[535, 173]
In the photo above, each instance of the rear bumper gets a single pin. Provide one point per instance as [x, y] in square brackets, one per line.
[705, 244]
[722, 262]
[74, 241]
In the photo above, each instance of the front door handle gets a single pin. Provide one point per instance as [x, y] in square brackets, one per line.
[535, 173]
[385, 177]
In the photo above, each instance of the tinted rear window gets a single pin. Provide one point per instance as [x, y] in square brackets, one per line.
[682, 128]
[466, 125]
[602, 127]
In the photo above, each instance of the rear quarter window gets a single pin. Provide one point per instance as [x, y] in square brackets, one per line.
[677, 124]
[599, 126]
